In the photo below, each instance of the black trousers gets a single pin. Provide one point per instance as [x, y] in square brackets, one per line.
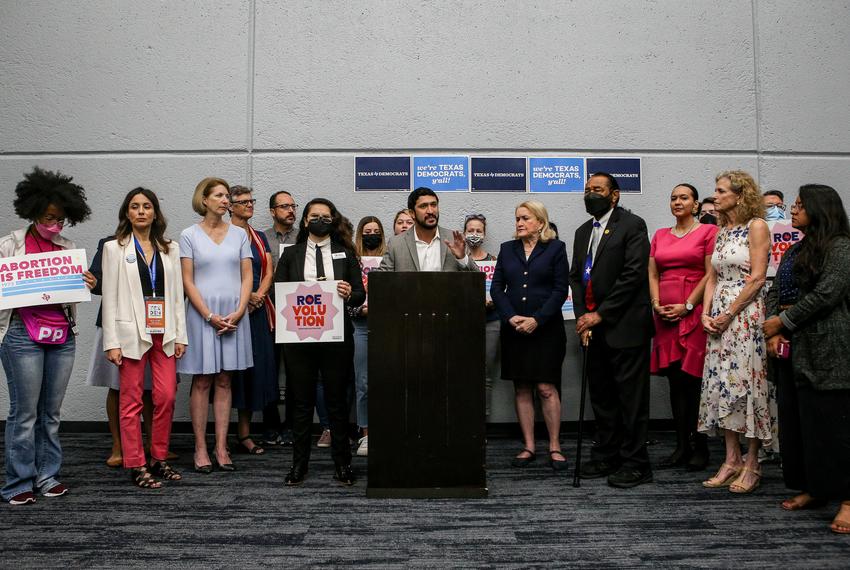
[304, 363]
[619, 394]
[814, 437]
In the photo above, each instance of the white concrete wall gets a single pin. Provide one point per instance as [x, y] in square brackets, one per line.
[284, 95]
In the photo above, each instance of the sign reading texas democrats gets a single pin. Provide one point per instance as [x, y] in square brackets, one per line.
[43, 279]
[308, 311]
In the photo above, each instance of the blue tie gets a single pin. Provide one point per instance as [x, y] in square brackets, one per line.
[588, 261]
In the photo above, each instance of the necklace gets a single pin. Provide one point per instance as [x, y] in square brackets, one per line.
[692, 226]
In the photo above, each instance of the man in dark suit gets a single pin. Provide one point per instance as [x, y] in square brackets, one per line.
[610, 287]
[426, 246]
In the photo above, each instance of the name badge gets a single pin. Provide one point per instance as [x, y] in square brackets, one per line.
[155, 315]
[338, 255]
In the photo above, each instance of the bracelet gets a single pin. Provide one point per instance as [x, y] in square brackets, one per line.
[209, 317]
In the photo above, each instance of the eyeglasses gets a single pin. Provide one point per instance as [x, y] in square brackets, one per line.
[474, 217]
[291, 207]
[250, 202]
[325, 219]
[50, 219]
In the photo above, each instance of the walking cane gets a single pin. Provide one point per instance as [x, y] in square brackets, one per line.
[585, 348]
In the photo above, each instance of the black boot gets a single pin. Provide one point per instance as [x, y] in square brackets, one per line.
[699, 459]
[679, 407]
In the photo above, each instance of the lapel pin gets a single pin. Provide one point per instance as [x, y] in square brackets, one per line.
[607, 231]
[131, 258]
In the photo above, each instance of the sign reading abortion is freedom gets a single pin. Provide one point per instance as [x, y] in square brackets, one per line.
[308, 311]
[43, 279]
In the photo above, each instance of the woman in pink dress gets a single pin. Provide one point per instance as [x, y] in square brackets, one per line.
[679, 260]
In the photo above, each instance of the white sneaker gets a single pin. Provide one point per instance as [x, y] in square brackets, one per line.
[363, 446]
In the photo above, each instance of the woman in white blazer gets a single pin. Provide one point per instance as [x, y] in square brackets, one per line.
[144, 319]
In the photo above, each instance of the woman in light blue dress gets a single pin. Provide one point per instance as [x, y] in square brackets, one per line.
[217, 279]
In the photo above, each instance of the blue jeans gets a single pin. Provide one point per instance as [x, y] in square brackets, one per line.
[37, 375]
[361, 370]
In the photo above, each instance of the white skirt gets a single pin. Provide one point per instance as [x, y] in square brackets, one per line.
[103, 373]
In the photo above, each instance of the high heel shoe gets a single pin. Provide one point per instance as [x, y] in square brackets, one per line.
[715, 483]
[737, 487]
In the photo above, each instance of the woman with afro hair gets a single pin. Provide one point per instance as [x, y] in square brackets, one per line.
[37, 371]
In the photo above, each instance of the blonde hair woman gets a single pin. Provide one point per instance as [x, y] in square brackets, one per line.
[734, 399]
[529, 287]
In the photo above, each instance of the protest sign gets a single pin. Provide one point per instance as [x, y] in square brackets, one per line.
[43, 279]
[498, 174]
[567, 308]
[487, 268]
[308, 311]
[782, 236]
[367, 264]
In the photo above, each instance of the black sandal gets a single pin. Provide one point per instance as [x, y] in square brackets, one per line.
[165, 471]
[243, 449]
[524, 461]
[143, 479]
[558, 465]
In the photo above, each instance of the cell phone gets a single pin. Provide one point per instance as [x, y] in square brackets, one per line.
[783, 351]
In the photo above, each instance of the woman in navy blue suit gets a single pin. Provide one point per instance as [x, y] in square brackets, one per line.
[529, 288]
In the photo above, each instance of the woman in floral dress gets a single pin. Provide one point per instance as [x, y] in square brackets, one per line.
[734, 399]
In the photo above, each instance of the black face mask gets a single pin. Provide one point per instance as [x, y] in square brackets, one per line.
[319, 228]
[596, 204]
[371, 241]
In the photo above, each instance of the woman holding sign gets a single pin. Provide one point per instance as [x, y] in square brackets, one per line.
[37, 342]
[370, 246]
[321, 253]
[474, 232]
[217, 277]
[144, 322]
[529, 288]
[256, 387]
[808, 333]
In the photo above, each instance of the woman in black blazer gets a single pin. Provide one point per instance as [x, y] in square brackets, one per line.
[530, 285]
[322, 251]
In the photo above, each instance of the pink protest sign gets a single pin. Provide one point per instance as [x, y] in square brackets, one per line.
[782, 236]
[309, 312]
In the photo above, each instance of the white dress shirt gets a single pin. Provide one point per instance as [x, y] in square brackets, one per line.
[596, 233]
[310, 260]
[429, 253]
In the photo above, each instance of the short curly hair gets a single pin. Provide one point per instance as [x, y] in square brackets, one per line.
[41, 188]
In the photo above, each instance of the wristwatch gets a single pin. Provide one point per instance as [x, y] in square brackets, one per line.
[689, 306]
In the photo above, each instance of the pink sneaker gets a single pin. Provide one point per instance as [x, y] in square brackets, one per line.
[325, 439]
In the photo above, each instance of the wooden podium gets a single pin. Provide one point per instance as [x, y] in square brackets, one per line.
[426, 385]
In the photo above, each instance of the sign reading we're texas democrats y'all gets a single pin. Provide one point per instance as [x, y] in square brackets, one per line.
[308, 311]
[43, 279]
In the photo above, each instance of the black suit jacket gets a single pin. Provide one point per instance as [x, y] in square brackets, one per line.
[534, 287]
[620, 279]
[96, 270]
[291, 268]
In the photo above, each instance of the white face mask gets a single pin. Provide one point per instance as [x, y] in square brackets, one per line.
[473, 240]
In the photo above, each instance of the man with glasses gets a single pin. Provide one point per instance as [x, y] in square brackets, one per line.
[774, 205]
[283, 231]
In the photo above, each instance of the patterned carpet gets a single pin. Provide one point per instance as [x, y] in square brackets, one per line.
[532, 518]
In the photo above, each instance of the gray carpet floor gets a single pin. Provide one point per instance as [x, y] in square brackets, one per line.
[531, 518]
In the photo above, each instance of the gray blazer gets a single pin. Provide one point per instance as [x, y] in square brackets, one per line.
[401, 254]
[819, 323]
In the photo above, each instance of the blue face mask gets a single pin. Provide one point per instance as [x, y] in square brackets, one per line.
[774, 213]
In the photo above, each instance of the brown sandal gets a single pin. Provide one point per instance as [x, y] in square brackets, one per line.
[839, 526]
[143, 479]
[165, 471]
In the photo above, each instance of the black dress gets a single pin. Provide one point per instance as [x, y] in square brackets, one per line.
[533, 287]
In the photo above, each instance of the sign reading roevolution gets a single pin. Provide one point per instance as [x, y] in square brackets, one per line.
[782, 236]
[441, 173]
[308, 311]
[382, 173]
[43, 279]
[625, 170]
[498, 174]
[556, 174]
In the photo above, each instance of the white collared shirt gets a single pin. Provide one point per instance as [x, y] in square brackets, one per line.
[310, 260]
[596, 233]
[428, 253]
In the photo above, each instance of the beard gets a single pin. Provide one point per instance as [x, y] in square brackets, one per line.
[428, 222]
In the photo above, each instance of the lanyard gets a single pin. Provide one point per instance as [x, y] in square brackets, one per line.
[151, 268]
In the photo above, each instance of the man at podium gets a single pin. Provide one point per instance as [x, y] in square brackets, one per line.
[422, 248]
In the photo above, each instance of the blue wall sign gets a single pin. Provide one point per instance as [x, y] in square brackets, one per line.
[382, 173]
[625, 170]
[498, 174]
[441, 173]
[556, 174]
